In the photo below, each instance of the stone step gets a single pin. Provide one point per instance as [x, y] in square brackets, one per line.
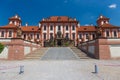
[36, 54]
[80, 54]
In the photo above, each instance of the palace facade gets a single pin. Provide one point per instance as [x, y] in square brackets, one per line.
[58, 28]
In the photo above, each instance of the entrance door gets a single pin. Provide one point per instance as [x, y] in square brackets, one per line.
[59, 42]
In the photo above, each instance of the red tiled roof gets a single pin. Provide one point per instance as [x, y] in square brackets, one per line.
[86, 28]
[108, 25]
[29, 28]
[16, 17]
[59, 18]
[9, 26]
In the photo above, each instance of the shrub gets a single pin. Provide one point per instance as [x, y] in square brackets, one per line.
[67, 44]
[1, 47]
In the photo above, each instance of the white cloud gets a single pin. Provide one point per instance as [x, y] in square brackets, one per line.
[86, 25]
[65, 1]
[112, 6]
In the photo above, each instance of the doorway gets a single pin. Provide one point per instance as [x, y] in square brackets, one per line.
[59, 43]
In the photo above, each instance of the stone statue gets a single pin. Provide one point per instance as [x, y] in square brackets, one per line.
[99, 32]
[59, 34]
[19, 33]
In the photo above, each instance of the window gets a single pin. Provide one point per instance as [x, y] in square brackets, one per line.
[24, 36]
[67, 28]
[51, 27]
[93, 35]
[51, 35]
[73, 27]
[37, 36]
[2, 34]
[67, 35]
[80, 36]
[10, 33]
[44, 36]
[73, 35]
[115, 34]
[44, 27]
[59, 27]
[107, 33]
[31, 36]
[87, 36]
[104, 21]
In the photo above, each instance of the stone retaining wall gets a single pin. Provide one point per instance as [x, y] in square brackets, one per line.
[17, 48]
[102, 48]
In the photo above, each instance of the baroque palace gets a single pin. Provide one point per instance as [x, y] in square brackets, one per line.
[58, 30]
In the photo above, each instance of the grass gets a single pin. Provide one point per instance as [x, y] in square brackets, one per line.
[1, 47]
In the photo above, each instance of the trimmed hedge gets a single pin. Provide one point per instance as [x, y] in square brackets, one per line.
[1, 47]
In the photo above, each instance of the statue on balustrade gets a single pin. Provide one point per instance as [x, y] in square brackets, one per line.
[59, 34]
[19, 33]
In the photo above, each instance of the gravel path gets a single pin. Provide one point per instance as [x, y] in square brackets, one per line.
[60, 53]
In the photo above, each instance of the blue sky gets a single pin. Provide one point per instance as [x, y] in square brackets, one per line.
[86, 11]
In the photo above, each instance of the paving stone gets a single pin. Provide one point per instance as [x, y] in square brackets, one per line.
[59, 53]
